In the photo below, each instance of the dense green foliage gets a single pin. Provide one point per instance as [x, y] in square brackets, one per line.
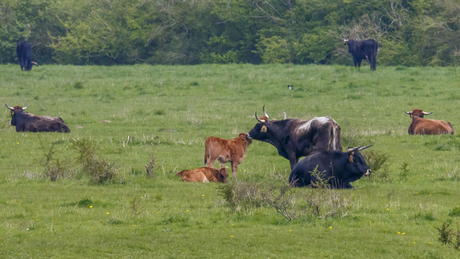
[411, 32]
[166, 112]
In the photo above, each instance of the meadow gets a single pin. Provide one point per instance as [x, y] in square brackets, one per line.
[167, 112]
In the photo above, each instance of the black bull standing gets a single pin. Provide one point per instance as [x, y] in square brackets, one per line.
[295, 138]
[28, 122]
[366, 49]
[24, 52]
[338, 168]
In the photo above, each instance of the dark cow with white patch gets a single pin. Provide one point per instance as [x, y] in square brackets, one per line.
[28, 122]
[363, 49]
[338, 168]
[295, 138]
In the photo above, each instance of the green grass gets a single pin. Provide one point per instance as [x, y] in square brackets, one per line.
[169, 111]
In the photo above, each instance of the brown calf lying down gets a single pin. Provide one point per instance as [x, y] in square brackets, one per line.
[204, 174]
[421, 126]
[225, 150]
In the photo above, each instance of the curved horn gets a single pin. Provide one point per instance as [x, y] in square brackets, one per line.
[408, 112]
[351, 150]
[427, 113]
[35, 63]
[24, 107]
[261, 121]
[284, 112]
[9, 107]
[266, 115]
[361, 148]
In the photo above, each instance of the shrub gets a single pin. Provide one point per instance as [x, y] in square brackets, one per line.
[99, 169]
[241, 196]
[455, 212]
[449, 236]
[404, 171]
[324, 201]
[54, 169]
[149, 167]
[378, 164]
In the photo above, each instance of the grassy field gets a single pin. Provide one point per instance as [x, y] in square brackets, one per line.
[168, 111]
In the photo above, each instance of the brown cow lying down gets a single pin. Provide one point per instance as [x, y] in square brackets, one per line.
[225, 150]
[421, 126]
[204, 174]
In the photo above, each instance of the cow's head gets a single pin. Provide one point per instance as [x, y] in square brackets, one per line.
[349, 43]
[357, 160]
[15, 113]
[418, 113]
[244, 138]
[261, 130]
[223, 173]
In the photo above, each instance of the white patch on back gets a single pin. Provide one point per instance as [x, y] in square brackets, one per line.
[205, 180]
[306, 126]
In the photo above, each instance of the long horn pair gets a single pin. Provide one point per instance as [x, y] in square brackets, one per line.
[427, 113]
[261, 121]
[13, 108]
[408, 112]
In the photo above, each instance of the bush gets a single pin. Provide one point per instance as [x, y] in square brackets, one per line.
[149, 167]
[99, 169]
[241, 196]
[449, 236]
[54, 169]
[378, 164]
[323, 201]
[290, 202]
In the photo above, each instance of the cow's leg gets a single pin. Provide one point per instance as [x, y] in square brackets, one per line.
[210, 162]
[234, 168]
[355, 61]
[293, 160]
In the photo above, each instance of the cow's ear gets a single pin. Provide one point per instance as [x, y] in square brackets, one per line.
[411, 115]
[351, 157]
[264, 129]
[286, 140]
[12, 113]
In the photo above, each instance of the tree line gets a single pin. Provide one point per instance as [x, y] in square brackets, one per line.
[109, 32]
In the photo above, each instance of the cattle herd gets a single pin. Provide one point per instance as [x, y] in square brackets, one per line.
[317, 139]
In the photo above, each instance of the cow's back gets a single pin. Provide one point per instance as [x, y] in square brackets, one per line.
[301, 173]
[421, 126]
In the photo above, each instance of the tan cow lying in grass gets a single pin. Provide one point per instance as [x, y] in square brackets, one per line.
[225, 150]
[421, 126]
[204, 174]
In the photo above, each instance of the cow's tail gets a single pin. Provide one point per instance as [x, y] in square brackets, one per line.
[335, 136]
[206, 152]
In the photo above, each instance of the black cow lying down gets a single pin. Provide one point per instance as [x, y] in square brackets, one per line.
[340, 168]
[28, 122]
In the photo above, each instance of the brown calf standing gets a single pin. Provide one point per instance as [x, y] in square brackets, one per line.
[225, 150]
[421, 126]
[204, 174]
